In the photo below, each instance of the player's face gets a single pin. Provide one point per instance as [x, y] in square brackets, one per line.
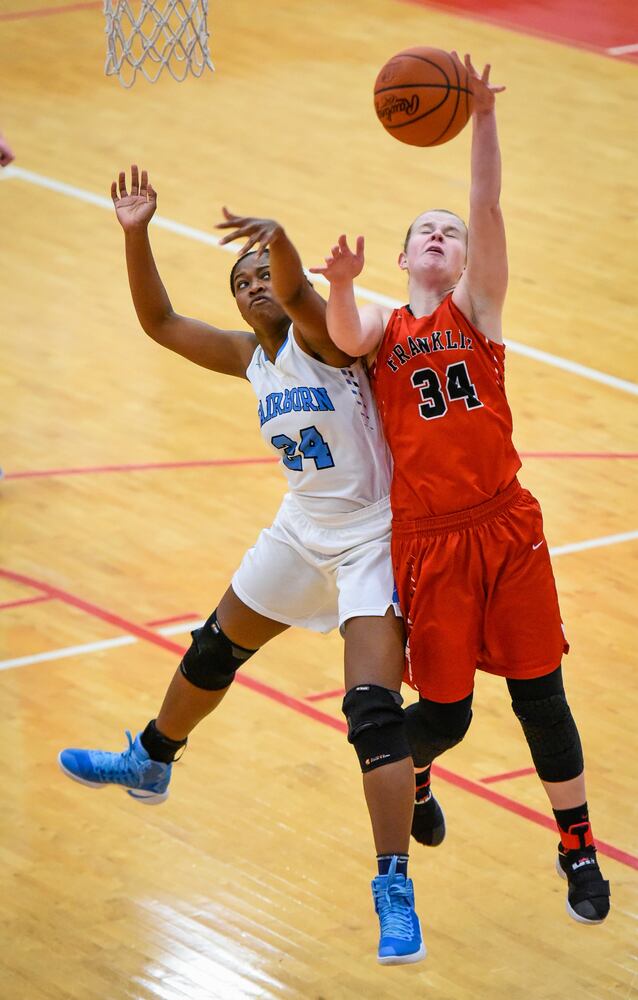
[437, 243]
[253, 292]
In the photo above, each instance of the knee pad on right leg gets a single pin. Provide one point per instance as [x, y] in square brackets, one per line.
[434, 727]
[552, 737]
[212, 659]
[376, 725]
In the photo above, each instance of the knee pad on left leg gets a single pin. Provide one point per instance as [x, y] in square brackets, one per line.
[376, 725]
[212, 659]
[434, 727]
[552, 737]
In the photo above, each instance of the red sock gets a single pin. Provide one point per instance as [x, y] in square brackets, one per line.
[422, 779]
[574, 828]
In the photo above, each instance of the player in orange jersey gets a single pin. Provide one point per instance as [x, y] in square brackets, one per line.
[471, 562]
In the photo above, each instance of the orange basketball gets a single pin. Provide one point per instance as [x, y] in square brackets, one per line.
[422, 97]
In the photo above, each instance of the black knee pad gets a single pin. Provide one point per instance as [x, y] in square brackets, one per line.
[212, 659]
[376, 725]
[551, 735]
[434, 727]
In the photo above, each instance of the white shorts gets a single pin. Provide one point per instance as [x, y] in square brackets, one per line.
[318, 571]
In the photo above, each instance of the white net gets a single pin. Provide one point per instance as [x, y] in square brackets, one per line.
[147, 35]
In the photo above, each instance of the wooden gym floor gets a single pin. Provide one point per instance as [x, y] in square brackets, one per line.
[134, 482]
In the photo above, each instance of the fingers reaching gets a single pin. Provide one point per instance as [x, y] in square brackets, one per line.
[134, 210]
[256, 232]
[248, 245]
[141, 187]
[470, 68]
[482, 90]
[343, 263]
[230, 219]
[343, 250]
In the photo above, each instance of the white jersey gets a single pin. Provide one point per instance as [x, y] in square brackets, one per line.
[323, 424]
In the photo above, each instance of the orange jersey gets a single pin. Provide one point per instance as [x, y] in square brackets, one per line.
[439, 387]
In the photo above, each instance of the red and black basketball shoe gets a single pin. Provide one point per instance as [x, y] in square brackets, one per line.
[588, 892]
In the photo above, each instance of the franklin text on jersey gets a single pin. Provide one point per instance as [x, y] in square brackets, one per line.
[438, 340]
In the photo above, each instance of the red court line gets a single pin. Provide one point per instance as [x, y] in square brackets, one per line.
[186, 617]
[508, 774]
[140, 467]
[24, 600]
[221, 462]
[325, 694]
[526, 812]
[172, 647]
[466, 784]
[20, 15]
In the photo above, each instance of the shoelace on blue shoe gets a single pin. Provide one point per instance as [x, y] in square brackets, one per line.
[395, 906]
[118, 767]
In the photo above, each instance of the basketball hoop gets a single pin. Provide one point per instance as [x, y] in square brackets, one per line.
[147, 35]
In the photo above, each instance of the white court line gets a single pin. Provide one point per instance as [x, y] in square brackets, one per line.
[622, 50]
[565, 364]
[93, 647]
[129, 640]
[60, 654]
[593, 543]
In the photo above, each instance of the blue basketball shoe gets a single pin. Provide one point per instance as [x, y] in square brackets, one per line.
[146, 780]
[400, 941]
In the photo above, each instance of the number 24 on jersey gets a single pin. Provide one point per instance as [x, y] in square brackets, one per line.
[311, 445]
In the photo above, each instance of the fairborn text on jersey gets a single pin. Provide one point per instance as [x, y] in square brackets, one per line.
[427, 345]
[301, 398]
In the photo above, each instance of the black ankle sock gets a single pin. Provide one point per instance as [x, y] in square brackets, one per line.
[384, 861]
[158, 746]
[567, 817]
[422, 781]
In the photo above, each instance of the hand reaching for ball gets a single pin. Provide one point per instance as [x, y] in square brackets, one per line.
[343, 265]
[483, 91]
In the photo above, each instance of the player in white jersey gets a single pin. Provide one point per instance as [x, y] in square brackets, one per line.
[325, 561]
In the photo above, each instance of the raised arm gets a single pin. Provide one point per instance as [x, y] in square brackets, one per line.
[290, 286]
[225, 351]
[358, 333]
[481, 291]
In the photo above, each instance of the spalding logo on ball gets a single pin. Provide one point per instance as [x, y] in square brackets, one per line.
[423, 97]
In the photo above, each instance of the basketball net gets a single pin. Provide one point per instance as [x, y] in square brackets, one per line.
[147, 35]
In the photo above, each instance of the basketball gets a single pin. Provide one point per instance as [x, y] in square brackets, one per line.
[423, 97]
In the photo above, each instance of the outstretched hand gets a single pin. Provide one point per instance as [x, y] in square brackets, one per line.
[256, 232]
[343, 264]
[134, 210]
[483, 91]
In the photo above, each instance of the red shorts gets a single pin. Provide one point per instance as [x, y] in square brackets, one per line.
[477, 591]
